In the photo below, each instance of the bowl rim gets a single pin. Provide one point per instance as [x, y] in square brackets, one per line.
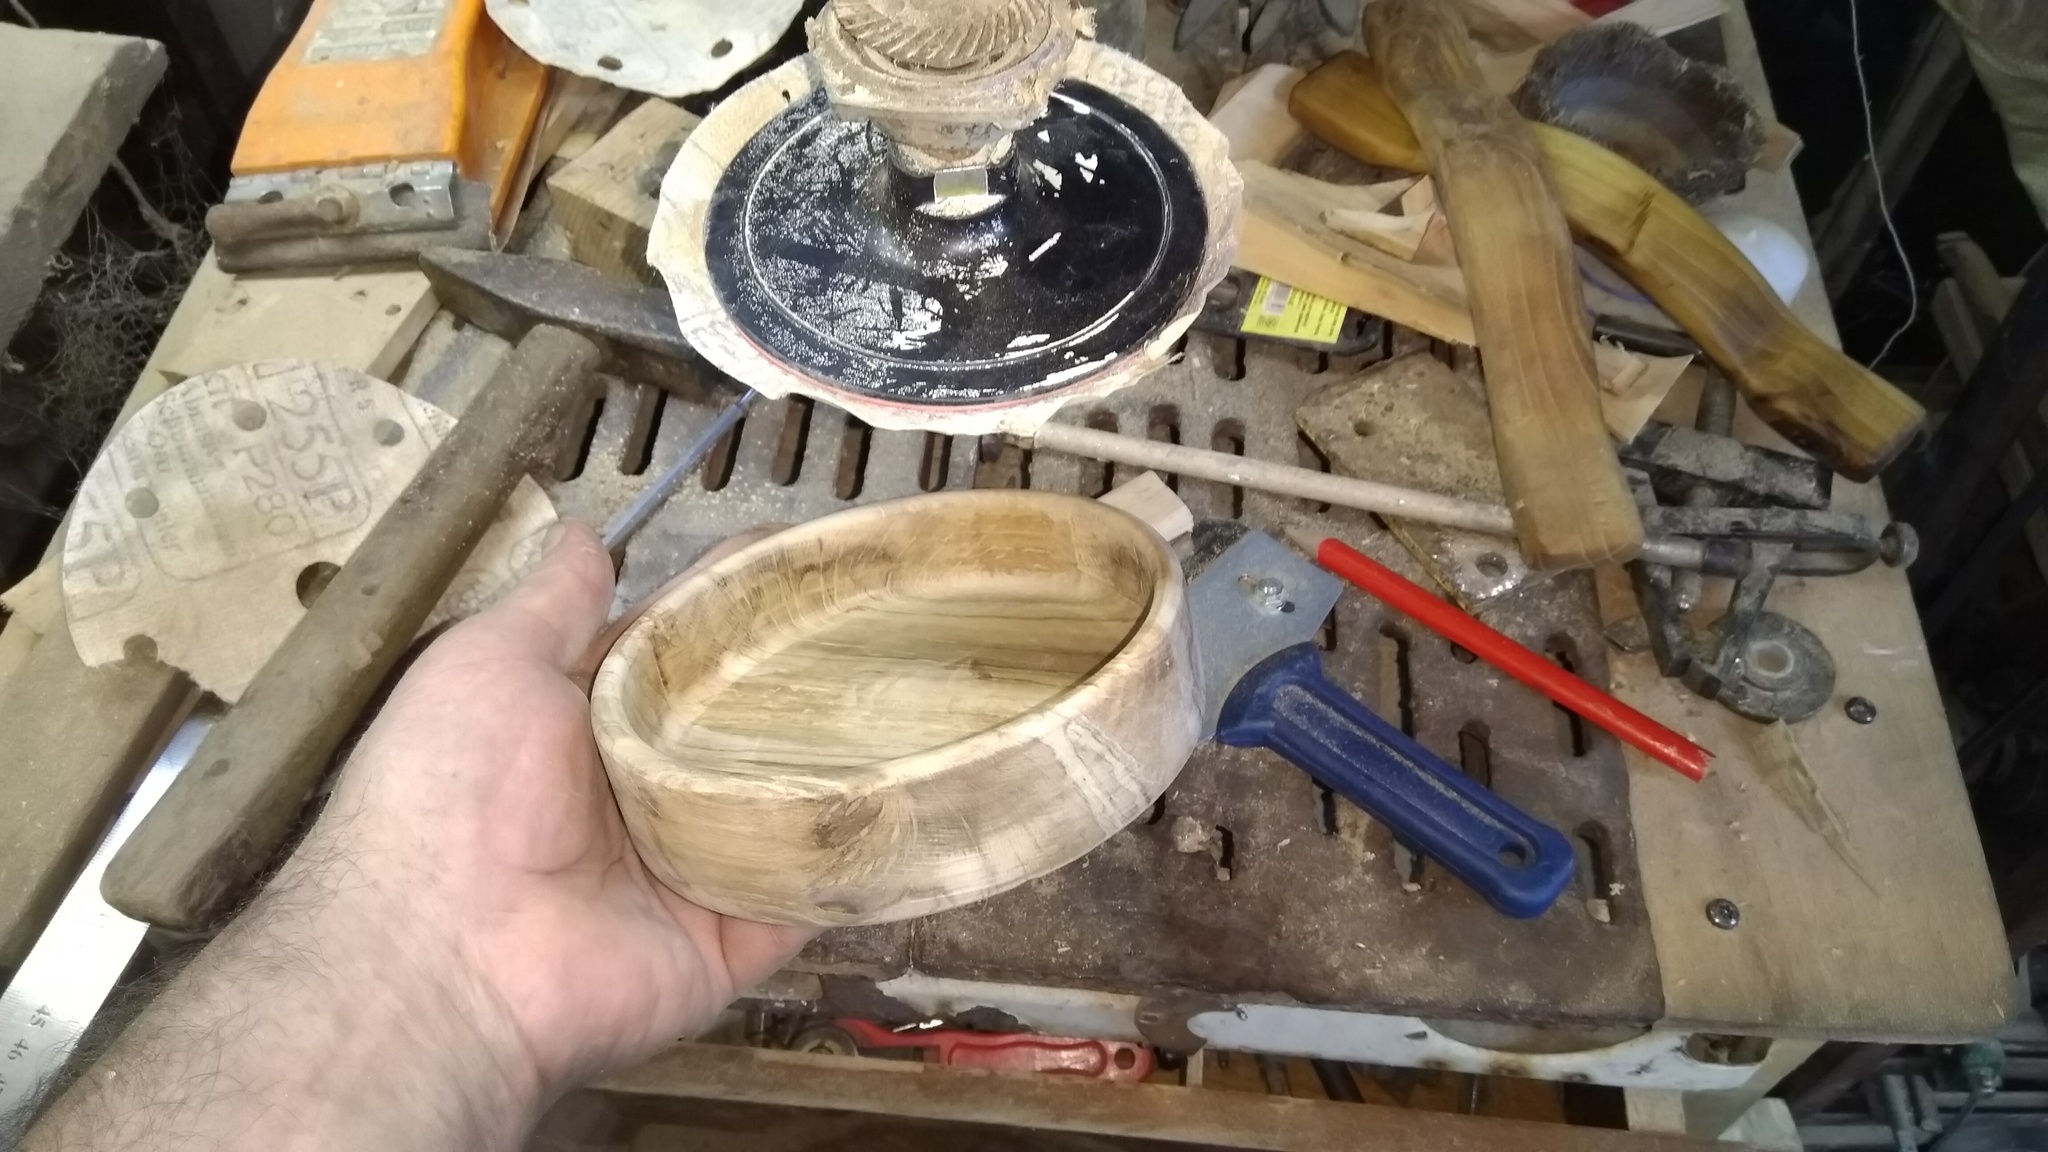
[617, 737]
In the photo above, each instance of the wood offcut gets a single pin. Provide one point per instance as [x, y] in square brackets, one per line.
[1801, 385]
[1563, 483]
[605, 198]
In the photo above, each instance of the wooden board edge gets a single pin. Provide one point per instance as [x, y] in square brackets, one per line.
[1212, 1117]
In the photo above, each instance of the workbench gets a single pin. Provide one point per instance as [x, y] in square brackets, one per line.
[1295, 931]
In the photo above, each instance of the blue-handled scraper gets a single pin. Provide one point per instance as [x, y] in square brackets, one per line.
[1257, 608]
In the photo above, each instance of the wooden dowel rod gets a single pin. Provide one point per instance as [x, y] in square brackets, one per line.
[1308, 484]
[1283, 479]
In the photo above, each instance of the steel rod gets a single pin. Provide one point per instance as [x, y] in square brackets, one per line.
[629, 519]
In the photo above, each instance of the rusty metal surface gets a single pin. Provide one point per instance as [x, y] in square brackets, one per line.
[1414, 422]
[1313, 908]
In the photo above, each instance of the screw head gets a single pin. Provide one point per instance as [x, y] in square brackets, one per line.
[334, 205]
[1860, 709]
[1268, 592]
[1723, 913]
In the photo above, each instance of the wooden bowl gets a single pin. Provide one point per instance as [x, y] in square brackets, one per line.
[901, 708]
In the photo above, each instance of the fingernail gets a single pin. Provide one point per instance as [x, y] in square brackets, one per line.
[553, 536]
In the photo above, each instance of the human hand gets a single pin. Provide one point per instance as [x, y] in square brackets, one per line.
[465, 933]
[478, 792]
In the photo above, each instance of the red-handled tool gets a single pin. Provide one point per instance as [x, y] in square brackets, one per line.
[1530, 667]
[1011, 1051]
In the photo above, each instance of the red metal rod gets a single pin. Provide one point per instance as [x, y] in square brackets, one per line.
[1531, 668]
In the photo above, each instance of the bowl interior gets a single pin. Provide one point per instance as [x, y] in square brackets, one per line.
[843, 645]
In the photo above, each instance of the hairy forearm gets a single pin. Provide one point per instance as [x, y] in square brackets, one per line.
[307, 1024]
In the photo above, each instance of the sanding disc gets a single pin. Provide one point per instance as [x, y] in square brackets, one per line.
[666, 47]
[820, 255]
[801, 260]
[219, 510]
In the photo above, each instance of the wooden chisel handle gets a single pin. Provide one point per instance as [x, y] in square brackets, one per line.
[217, 828]
[1809, 391]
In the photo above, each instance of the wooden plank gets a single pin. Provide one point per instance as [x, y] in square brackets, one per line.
[602, 199]
[577, 107]
[59, 778]
[1558, 470]
[1211, 1117]
[362, 320]
[1286, 235]
[1803, 386]
[1397, 236]
[69, 99]
[73, 739]
[1352, 211]
[1710, 1114]
[1916, 953]
[1920, 966]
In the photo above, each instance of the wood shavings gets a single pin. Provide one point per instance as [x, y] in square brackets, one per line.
[1784, 770]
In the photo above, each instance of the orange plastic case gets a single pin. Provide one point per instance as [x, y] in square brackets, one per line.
[374, 81]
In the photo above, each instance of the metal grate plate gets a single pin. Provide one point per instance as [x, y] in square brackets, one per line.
[1314, 908]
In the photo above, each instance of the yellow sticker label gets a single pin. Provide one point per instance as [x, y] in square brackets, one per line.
[1282, 310]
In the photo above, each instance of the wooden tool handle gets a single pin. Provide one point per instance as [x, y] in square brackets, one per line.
[1564, 486]
[219, 825]
[1801, 386]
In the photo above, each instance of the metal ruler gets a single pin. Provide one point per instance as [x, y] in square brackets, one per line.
[67, 976]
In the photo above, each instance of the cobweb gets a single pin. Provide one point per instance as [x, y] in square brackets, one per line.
[106, 299]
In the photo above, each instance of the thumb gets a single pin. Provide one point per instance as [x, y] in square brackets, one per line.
[585, 669]
[551, 615]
